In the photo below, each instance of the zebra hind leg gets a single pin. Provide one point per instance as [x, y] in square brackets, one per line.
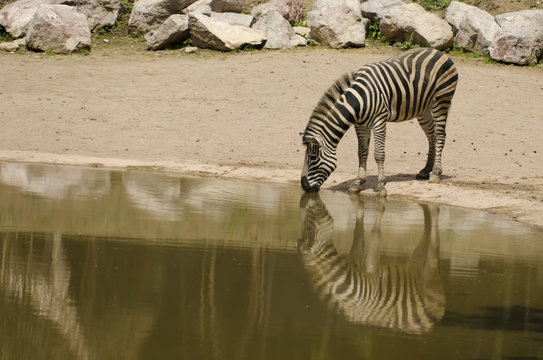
[363, 134]
[426, 122]
[440, 110]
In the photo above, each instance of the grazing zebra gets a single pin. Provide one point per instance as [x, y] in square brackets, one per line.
[406, 295]
[419, 83]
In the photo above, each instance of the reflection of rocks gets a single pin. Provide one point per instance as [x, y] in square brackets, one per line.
[157, 195]
[398, 294]
[55, 182]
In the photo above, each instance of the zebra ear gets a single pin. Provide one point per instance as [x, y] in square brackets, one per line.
[314, 139]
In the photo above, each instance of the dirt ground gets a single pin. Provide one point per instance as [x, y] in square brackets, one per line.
[239, 115]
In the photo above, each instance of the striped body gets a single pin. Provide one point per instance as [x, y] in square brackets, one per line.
[419, 83]
[403, 294]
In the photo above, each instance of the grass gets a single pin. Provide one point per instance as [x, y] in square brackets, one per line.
[5, 36]
[434, 5]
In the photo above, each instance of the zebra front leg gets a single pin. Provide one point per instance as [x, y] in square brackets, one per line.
[379, 135]
[363, 134]
[426, 122]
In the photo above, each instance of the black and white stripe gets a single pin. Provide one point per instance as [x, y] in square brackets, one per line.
[403, 294]
[419, 83]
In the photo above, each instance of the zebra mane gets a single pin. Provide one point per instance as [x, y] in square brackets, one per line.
[326, 103]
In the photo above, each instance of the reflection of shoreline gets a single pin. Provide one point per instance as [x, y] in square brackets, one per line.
[514, 201]
[397, 294]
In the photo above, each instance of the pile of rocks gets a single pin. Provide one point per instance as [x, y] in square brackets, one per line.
[61, 26]
[515, 37]
[219, 24]
[64, 25]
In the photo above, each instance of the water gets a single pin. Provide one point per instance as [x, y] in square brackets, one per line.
[97, 264]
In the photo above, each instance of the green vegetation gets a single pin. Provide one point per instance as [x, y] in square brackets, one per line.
[374, 33]
[4, 35]
[128, 5]
[409, 44]
[434, 5]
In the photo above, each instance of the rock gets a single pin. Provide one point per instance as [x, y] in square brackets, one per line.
[337, 23]
[216, 6]
[376, 10]
[405, 22]
[219, 35]
[291, 10]
[16, 16]
[100, 13]
[233, 18]
[191, 49]
[12, 45]
[278, 31]
[455, 14]
[148, 15]
[199, 6]
[58, 28]
[520, 38]
[174, 30]
[234, 6]
[200, 9]
[301, 30]
[475, 29]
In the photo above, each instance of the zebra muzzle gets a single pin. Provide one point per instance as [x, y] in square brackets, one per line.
[307, 187]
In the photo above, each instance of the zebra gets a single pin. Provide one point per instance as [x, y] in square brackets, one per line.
[419, 83]
[393, 294]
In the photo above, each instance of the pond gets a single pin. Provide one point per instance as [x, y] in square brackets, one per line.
[99, 264]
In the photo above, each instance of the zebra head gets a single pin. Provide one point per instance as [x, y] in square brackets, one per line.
[317, 223]
[319, 162]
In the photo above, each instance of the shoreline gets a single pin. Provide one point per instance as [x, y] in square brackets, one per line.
[502, 201]
[239, 116]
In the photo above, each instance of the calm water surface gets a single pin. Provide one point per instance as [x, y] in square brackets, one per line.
[97, 264]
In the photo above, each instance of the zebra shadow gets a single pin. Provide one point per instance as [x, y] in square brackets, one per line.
[404, 294]
[371, 181]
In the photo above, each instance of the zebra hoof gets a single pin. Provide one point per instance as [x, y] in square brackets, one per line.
[435, 179]
[423, 176]
[381, 192]
[354, 188]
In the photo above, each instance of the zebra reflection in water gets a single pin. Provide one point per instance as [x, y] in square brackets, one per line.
[405, 294]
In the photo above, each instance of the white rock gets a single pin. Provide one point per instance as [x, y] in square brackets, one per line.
[233, 18]
[219, 35]
[58, 28]
[174, 30]
[520, 38]
[337, 23]
[278, 31]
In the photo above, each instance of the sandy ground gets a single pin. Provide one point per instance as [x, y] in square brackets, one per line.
[239, 115]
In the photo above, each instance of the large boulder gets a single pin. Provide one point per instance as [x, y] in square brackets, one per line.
[520, 38]
[376, 10]
[215, 5]
[58, 28]
[475, 28]
[148, 15]
[291, 10]
[174, 30]
[409, 22]
[278, 31]
[233, 18]
[16, 16]
[216, 34]
[100, 13]
[337, 23]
